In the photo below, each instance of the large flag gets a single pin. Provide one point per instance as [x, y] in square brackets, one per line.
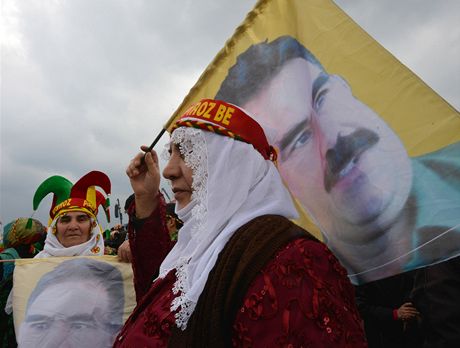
[370, 153]
[71, 301]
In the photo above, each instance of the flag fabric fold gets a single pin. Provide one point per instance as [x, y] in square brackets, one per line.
[369, 152]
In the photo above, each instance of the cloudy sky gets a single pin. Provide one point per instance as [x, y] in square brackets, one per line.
[85, 82]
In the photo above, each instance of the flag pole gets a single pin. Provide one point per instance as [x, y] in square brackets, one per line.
[158, 137]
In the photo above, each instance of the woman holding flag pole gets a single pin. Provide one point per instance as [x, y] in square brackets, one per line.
[241, 273]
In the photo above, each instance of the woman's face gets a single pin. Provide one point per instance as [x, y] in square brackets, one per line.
[180, 176]
[73, 228]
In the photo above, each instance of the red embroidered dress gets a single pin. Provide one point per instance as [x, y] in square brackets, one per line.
[302, 298]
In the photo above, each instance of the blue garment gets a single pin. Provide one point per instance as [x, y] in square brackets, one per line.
[8, 267]
[435, 205]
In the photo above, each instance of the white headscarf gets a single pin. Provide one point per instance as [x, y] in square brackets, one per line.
[93, 247]
[232, 185]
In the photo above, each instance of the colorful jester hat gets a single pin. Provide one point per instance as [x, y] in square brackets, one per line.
[82, 196]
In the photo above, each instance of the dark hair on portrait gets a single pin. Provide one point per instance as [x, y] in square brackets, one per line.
[256, 66]
[96, 273]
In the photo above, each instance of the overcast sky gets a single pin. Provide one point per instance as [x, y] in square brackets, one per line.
[85, 82]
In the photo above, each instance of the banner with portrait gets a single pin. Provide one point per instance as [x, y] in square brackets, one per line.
[369, 152]
[74, 301]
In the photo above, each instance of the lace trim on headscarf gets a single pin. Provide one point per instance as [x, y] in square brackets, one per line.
[181, 302]
[193, 149]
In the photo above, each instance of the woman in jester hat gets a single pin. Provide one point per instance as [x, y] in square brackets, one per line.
[241, 273]
[73, 229]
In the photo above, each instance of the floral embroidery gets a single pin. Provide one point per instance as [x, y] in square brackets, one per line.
[158, 324]
[151, 325]
[254, 307]
[262, 304]
[240, 337]
[294, 340]
[292, 337]
[289, 273]
[95, 250]
[157, 328]
[314, 299]
[330, 318]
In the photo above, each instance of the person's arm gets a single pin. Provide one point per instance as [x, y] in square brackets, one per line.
[149, 241]
[381, 314]
[302, 297]
[149, 244]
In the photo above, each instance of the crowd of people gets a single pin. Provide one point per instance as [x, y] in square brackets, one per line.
[22, 238]
[221, 266]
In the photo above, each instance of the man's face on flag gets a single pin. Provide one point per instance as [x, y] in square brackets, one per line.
[338, 157]
[72, 314]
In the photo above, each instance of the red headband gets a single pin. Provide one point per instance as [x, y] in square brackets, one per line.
[228, 120]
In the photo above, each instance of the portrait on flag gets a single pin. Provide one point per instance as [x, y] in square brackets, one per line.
[72, 302]
[369, 152]
[345, 165]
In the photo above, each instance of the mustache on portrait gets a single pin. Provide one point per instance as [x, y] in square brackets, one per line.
[346, 149]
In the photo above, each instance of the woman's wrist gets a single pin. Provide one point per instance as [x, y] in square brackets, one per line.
[145, 205]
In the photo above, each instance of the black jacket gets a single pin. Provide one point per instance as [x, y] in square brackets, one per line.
[376, 302]
[436, 295]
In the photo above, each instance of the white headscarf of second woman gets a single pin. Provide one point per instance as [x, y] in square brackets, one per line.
[232, 184]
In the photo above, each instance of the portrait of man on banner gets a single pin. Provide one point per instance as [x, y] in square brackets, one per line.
[381, 211]
[78, 304]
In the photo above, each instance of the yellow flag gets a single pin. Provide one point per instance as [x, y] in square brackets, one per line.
[370, 153]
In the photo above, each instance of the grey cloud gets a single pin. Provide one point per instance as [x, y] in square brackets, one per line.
[423, 35]
[86, 82]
